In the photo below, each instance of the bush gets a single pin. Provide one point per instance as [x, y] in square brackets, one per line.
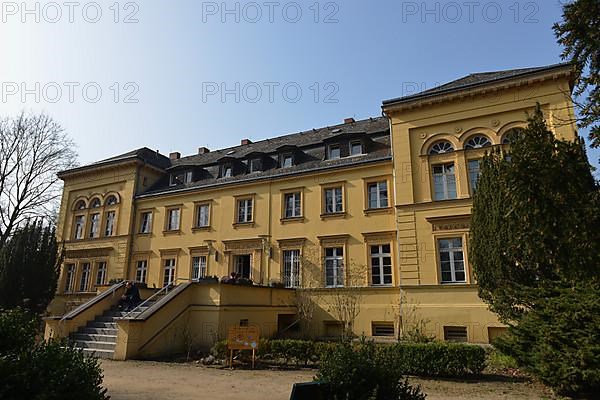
[357, 372]
[434, 359]
[558, 341]
[301, 351]
[47, 371]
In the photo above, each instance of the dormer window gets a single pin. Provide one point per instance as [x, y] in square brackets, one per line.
[287, 160]
[254, 165]
[179, 178]
[333, 152]
[356, 148]
[227, 171]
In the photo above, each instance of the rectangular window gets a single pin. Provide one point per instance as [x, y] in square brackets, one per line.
[85, 277]
[444, 182]
[169, 272]
[455, 333]
[378, 194]
[244, 211]
[94, 225]
[334, 266]
[110, 223]
[333, 152]
[181, 177]
[146, 222]
[227, 171]
[173, 219]
[287, 160]
[333, 200]
[381, 264]
[293, 205]
[202, 215]
[79, 225]
[198, 267]
[69, 277]
[451, 260]
[255, 165]
[101, 273]
[141, 271]
[243, 265]
[382, 329]
[291, 268]
[474, 171]
[356, 148]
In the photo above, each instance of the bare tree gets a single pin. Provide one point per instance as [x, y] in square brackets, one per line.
[344, 302]
[33, 149]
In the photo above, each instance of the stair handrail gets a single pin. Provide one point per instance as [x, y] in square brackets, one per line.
[164, 288]
[111, 291]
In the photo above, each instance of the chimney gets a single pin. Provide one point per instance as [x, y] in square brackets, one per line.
[203, 150]
[175, 155]
[245, 142]
[349, 120]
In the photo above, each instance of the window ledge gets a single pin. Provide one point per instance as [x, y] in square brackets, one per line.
[243, 224]
[382, 285]
[291, 219]
[334, 215]
[201, 228]
[451, 283]
[382, 210]
[144, 234]
[172, 232]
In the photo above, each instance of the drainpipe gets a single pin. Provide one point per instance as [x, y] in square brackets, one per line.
[400, 311]
[132, 219]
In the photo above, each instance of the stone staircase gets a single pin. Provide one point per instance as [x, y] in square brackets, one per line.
[99, 336]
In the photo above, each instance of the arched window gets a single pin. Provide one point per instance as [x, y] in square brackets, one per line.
[477, 142]
[511, 134]
[441, 147]
[80, 205]
[95, 203]
[111, 200]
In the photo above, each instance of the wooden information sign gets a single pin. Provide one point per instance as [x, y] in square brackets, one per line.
[242, 338]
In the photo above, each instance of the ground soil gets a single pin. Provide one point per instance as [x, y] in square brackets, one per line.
[141, 380]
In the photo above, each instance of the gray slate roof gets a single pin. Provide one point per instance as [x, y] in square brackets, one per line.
[473, 80]
[310, 143]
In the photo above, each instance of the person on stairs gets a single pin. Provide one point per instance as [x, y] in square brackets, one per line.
[131, 298]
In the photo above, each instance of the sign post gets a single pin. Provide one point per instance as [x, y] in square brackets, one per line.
[242, 338]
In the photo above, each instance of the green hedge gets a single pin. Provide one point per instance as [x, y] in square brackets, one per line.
[435, 359]
[421, 359]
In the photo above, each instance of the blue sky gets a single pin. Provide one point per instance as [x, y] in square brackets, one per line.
[162, 67]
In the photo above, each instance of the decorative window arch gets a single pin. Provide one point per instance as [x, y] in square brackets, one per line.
[477, 142]
[112, 200]
[80, 205]
[510, 135]
[441, 147]
[95, 203]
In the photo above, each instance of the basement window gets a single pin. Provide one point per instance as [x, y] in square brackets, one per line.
[455, 333]
[382, 329]
[243, 322]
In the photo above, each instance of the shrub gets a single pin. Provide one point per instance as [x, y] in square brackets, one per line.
[357, 372]
[301, 351]
[434, 359]
[558, 341]
[45, 370]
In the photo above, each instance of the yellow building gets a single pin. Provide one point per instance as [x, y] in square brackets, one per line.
[366, 221]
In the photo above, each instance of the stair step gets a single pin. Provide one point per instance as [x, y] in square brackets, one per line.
[103, 325]
[86, 330]
[94, 337]
[88, 344]
[100, 353]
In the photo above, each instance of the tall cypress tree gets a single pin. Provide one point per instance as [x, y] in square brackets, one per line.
[29, 265]
[535, 252]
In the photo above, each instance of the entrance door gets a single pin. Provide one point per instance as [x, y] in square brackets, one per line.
[243, 265]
